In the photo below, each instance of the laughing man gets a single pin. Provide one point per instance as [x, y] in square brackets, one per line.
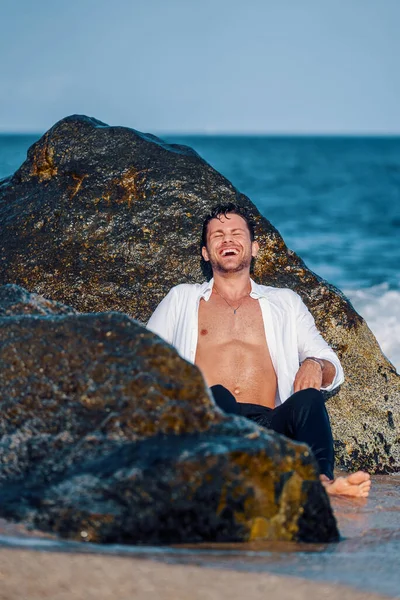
[256, 346]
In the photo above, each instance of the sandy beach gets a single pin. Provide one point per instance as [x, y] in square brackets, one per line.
[37, 575]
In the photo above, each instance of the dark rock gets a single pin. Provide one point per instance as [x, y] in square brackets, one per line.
[107, 218]
[14, 300]
[107, 435]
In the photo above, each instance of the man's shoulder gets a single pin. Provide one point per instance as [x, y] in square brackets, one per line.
[187, 290]
[190, 287]
[278, 294]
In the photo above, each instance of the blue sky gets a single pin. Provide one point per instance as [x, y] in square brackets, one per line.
[214, 66]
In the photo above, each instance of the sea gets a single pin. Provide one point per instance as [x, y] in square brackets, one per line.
[335, 201]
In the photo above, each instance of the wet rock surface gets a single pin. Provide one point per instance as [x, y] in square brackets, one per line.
[102, 439]
[106, 218]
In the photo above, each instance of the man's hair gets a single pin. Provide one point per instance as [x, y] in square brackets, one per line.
[221, 210]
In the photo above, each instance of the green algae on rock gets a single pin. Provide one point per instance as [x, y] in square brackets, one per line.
[107, 218]
[107, 435]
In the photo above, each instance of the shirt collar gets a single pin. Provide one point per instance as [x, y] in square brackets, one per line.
[257, 291]
[206, 289]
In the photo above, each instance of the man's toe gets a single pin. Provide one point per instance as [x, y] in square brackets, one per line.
[359, 478]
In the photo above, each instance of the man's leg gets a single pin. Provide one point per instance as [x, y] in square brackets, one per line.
[292, 420]
[304, 418]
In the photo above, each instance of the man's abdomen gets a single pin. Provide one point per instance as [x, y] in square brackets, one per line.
[246, 370]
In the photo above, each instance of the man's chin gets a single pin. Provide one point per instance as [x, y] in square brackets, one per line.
[230, 268]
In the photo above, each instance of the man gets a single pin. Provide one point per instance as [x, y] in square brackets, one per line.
[256, 346]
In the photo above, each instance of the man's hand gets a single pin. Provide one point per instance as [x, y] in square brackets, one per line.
[308, 376]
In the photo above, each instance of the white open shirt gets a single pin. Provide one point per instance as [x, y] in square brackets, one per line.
[289, 329]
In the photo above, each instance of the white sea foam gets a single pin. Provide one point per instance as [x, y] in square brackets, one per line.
[380, 307]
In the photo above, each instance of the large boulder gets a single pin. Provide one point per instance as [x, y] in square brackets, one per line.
[107, 218]
[107, 435]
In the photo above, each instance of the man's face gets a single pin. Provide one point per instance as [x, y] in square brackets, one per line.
[229, 247]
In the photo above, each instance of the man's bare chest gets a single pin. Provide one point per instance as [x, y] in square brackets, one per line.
[219, 323]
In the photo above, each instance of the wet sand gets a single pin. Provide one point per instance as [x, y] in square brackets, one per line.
[41, 576]
[365, 564]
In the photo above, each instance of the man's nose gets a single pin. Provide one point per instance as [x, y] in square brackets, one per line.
[228, 237]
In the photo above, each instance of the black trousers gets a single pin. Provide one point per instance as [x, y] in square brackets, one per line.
[302, 418]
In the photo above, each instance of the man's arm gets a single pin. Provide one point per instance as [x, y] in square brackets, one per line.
[311, 345]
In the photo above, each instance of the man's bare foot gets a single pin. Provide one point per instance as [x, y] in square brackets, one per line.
[356, 485]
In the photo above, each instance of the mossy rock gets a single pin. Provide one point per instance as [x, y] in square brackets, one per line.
[107, 435]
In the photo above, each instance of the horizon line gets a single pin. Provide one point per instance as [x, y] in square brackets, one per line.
[205, 133]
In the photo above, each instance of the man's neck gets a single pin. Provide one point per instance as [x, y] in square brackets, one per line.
[233, 285]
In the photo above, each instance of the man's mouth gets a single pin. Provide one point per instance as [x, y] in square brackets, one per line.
[229, 252]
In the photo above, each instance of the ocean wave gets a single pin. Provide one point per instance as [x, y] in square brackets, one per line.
[380, 307]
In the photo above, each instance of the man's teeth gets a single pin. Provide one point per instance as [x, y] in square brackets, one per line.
[229, 251]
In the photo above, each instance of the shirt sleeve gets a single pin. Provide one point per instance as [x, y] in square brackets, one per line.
[311, 343]
[162, 321]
